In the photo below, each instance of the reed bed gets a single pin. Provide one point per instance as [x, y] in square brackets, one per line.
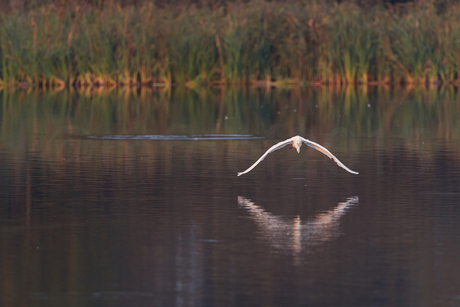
[256, 43]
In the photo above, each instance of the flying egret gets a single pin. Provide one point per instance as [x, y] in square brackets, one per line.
[296, 142]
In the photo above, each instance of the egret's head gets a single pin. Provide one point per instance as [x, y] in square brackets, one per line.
[297, 143]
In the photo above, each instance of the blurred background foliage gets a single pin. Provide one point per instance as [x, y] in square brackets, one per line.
[193, 43]
[31, 4]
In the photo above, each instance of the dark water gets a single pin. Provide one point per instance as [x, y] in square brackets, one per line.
[96, 210]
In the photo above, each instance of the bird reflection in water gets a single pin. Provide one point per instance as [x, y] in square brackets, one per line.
[293, 235]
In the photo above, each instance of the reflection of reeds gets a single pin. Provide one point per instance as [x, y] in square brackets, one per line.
[268, 43]
[339, 115]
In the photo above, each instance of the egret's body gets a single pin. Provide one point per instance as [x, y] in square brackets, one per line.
[296, 142]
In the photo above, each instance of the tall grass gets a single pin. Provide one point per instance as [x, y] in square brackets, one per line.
[258, 42]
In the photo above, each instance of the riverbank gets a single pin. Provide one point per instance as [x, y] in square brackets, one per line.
[258, 43]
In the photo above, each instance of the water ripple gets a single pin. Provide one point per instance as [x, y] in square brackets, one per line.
[192, 137]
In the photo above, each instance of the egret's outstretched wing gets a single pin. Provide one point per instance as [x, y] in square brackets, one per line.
[271, 149]
[329, 154]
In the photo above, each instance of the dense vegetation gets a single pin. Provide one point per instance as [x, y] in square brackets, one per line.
[106, 43]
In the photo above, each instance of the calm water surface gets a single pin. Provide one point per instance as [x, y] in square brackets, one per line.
[97, 210]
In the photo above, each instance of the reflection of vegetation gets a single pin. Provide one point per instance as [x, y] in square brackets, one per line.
[28, 117]
[233, 43]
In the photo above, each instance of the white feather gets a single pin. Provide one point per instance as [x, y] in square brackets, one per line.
[296, 142]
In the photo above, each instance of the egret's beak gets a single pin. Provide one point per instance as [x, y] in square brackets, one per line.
[296, 146]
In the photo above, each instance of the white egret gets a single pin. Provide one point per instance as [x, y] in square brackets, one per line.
[296, 142]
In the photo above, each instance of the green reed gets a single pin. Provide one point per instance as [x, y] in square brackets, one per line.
[258, 42]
